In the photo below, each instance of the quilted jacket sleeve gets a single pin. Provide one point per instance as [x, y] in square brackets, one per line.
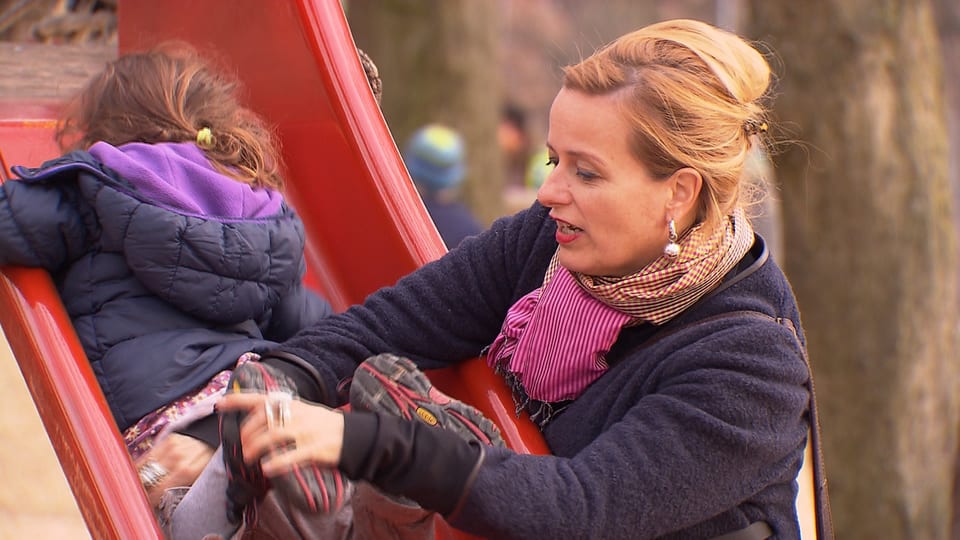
[41, 224]
[300, 308]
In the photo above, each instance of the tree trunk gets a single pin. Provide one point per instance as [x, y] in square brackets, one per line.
[871, 251]
[437, 60]
[948, 23]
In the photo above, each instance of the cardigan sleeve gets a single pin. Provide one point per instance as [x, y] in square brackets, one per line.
[447, 311]
[429, 465]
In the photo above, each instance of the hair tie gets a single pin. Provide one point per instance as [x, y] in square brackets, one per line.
[754, 127]
[205, 138]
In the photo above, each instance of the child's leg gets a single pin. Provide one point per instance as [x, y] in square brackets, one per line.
[310, 487]
[368, 515]
[203, 509]
[274, 517]
[202, 513]
[376, 515]
[393, 385]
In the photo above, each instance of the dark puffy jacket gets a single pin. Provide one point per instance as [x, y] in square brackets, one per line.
[161, 299]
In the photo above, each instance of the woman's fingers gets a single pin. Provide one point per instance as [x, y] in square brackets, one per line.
[282, 461]
[253, 433]
[241, 401]
[304, 433]
[258, 441]
[317, 432]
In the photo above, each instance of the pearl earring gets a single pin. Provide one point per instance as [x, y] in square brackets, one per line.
[672, 249]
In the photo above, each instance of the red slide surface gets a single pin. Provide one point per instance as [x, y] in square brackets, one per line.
[366, 225]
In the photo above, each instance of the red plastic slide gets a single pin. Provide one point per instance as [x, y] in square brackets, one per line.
[366, 225]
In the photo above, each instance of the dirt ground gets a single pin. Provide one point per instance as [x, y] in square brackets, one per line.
[35, 499]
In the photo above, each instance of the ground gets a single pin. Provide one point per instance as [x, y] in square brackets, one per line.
[35, 500]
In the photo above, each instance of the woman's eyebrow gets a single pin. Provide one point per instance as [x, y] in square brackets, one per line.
[579, 154]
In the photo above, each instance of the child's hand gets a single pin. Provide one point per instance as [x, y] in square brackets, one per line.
[182, 457]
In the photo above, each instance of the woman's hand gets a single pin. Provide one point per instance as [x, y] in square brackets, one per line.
[182, 457]
[308, 433]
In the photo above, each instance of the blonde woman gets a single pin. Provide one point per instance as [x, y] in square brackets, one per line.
[632, 309]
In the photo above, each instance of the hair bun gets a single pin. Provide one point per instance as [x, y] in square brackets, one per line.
[755, 127]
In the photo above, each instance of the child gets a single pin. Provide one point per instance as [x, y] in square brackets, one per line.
[165, 231]
[435, 158]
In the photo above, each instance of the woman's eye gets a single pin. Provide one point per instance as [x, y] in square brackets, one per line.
[554, 161]
[586, 175]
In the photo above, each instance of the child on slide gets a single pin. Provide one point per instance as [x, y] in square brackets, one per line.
[165, 230]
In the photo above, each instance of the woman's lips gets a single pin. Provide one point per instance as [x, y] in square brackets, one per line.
[566, 232]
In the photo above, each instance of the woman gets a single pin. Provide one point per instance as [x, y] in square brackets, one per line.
[632, 309]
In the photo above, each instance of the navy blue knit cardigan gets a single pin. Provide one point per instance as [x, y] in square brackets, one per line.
[696, 430]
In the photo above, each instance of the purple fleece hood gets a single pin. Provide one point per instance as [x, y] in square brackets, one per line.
[179, 176]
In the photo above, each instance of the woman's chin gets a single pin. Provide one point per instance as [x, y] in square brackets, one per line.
[575, 264]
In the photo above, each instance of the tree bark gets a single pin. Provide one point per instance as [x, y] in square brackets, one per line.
[437, 60]
[871, 251]
[948, 24]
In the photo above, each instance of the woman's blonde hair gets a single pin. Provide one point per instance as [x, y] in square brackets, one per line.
[170, 94]
[692, 93]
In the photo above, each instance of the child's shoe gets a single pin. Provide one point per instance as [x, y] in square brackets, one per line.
[392, 384]
[311, 488]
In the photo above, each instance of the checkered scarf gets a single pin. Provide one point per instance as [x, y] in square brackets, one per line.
[665, 287]
[554, 341]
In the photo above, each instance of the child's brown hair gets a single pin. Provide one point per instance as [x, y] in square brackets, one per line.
[172, 94]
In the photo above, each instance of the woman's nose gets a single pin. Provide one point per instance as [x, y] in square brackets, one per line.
[553, 191]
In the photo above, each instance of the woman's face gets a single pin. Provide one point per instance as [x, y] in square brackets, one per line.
[611, 214]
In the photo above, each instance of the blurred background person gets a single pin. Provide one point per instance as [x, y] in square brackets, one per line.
[434, 156]
[538, 167]
[515, 146]
[514, 143]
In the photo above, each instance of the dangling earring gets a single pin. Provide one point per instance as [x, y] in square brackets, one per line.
[672, 249]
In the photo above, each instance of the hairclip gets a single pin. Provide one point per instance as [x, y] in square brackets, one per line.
[205, 138]
[754, 127]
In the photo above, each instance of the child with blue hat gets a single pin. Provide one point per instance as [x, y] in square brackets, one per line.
[435, 158]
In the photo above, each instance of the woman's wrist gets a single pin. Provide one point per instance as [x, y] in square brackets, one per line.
[409, 458]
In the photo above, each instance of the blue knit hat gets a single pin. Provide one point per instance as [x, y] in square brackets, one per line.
[434, 157]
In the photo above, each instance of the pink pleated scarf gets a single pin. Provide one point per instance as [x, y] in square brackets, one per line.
[556, 338]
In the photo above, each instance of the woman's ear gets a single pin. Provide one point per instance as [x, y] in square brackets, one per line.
[687, 183]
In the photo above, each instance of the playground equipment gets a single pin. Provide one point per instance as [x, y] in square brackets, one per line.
[366, 225]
